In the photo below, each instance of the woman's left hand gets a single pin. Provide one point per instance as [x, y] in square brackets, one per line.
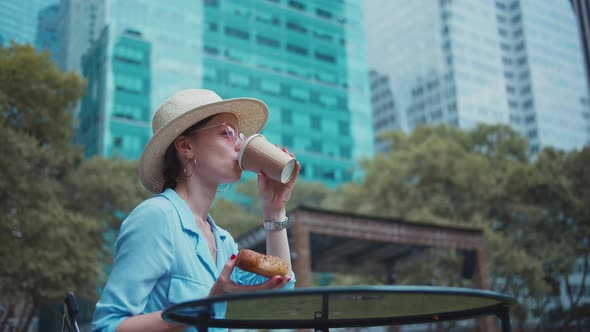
[274, 195]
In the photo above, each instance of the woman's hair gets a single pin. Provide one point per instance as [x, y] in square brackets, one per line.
[172, 165]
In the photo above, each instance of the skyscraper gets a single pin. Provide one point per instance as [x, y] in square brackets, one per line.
[80, 25]
[464, 62]
[582, 10]
[46, 37]
[305, 59]
[18, 20]
[120, 125]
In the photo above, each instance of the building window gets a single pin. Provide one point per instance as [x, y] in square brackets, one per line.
[345, 152]
[532, 134]
[239, 80]
[325, 36]
[297, 49]
[315, 145]
[323, 13]
[128, 83]
[287, 141]
[325, 57]
[237, 33]
[527, 104]
[296, 27]
[286, 116]
[329, 174]
[318, 171]
[316, 122]
[270, 87]
[297, 5]
[267, 41]
[128, 112]
[118, 142]
[516, 19]
[328, 101]
[530, 119]
[267, 19]
[300, 94]
[211, 50]
[213, 26]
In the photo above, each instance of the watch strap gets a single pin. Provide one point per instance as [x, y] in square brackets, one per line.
[277, 225]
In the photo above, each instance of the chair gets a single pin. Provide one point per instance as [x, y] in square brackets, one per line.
[71, 310]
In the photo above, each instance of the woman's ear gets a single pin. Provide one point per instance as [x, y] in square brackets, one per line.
[183, 146]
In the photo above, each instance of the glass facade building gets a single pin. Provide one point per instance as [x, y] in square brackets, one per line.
[79, 26]
[558, 85]
[29, 22]
[304, 59]
[118, 126]
[47, 36]
[462, 63]
[18, 20]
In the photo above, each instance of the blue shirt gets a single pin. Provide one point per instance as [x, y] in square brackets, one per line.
[162, 259]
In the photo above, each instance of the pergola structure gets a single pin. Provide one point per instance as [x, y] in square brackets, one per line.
[329, 241]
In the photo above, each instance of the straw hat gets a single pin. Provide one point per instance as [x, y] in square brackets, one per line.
[184, 109]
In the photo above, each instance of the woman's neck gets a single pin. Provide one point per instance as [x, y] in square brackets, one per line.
[197, 196]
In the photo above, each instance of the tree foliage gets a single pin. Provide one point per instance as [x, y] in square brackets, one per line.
[54, 207]
[483, 178]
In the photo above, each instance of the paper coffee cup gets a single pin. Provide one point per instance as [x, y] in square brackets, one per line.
[259, 155]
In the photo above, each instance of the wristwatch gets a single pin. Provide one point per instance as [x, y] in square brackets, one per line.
[276, 225]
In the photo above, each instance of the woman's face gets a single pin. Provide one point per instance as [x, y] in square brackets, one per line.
[215, 151]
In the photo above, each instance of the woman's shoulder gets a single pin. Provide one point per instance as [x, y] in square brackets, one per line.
[154, 209]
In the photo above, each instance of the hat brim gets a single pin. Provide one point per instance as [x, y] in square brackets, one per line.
[250, 113]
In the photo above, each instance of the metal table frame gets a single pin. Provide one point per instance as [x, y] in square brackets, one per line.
[200, 313]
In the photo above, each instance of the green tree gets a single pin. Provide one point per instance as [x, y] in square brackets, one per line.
[311, 194]
[448, 176]
[559, 187]
[105, 189]
[239, 218]
[54, 207]
[37, 98]
[38, 235]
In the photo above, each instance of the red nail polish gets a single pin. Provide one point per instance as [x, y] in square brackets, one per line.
[233, 256]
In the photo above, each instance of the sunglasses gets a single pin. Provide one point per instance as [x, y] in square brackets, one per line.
[231, 132]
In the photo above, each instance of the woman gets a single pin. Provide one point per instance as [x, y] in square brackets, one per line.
[169, 249]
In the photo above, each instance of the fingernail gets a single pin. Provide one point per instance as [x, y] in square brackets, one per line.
[233, 256]
[288, 279]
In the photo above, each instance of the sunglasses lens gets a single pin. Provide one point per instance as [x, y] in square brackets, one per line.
[231, 132]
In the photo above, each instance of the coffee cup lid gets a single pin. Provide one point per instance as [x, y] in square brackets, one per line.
[243, 148]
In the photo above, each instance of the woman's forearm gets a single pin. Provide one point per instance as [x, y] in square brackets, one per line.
[149, 322]
[277, 244]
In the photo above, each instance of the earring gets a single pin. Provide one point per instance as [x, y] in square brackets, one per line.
[224, 189]
[186, 165]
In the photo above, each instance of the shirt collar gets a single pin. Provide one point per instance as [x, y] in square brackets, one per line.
[187, 220]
